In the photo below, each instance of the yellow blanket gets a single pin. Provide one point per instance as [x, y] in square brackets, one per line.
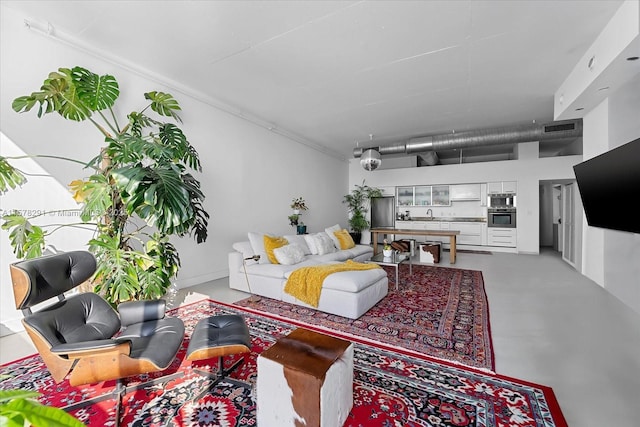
[305, 283]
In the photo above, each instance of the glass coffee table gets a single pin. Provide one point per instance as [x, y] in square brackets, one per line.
[394, 260]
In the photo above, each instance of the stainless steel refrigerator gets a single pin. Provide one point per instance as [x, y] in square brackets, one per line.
[383, 213]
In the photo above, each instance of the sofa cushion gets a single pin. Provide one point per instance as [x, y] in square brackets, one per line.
[345, 240]
[358, 250]
[257, 244]
[279, 271]
[271, 243]
[338, 256]
[311, 243]
[353, 281]
[349, 281]
[324, 243]
[299, 240]
[330, 231]
[245, 249]
[289, 254]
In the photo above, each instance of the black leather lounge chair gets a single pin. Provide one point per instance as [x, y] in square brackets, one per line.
[82, 337]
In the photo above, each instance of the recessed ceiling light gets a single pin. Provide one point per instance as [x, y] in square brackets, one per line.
[633, 58]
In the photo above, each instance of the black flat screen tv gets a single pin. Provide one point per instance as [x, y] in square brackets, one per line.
[609, 186]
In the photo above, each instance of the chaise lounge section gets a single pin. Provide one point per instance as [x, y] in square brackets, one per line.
[348, 294]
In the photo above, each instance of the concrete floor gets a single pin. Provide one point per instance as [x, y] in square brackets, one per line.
[550, 325]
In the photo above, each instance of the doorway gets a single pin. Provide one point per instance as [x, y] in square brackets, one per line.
[560, 219]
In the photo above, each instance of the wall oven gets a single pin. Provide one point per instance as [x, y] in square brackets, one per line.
[505, 218]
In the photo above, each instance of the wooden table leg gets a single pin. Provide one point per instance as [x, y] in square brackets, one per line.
[452, 249]
[375, 242]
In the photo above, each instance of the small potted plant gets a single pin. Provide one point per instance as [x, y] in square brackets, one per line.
[386, 249]
[293, 219]
[298, 204]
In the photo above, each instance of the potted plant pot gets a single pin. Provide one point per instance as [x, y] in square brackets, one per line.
[302, 229]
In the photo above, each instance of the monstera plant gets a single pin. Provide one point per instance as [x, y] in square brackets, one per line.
[138, 192]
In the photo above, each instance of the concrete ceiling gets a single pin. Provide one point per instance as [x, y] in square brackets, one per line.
[332, 73]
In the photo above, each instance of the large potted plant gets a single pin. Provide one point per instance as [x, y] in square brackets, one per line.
[358, 201]
[139, 190]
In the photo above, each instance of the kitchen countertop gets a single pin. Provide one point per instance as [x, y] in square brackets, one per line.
[446, 218]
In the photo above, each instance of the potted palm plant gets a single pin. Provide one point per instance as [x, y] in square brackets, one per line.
[357, 202]
[139, 190]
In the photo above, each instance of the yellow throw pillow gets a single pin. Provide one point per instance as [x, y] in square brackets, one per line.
[346, 242]
[271, 243]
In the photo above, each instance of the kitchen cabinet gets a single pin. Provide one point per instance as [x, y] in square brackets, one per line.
[505, 237]
[440, 195]
[404, 196]
[423, 195]
[483, 195]
[500, 187]
[465, 192]
[471, 233]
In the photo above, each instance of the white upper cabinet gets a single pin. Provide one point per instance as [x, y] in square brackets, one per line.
[509, 187]
[499, 187]
[465, 192]
[423, 195]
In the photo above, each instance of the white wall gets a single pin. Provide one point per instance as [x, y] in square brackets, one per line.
[613, 255]
[249, 174]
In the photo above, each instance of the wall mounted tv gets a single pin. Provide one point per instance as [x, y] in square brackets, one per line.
[609, 186]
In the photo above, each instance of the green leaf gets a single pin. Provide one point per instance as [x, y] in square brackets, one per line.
[8, 395]
[97, 197]
[173, 137]
[40, 415]
[26, 239]
[23, 103]
[157, 195]
[96, 92]
[10, 177]
[57, 94]
[163, 104]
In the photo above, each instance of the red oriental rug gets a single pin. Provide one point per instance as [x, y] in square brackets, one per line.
[437, 311]
[391, 388]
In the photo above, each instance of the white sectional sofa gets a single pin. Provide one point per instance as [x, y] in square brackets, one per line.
[349, 293]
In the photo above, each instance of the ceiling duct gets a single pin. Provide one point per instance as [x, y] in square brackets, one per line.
[477, 138]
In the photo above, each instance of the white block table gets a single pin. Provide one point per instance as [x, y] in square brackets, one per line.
[305, 378]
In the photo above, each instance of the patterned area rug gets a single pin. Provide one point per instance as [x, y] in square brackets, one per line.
[390, 389]
[436, 311]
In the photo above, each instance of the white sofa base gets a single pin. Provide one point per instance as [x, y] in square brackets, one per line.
[348, 294]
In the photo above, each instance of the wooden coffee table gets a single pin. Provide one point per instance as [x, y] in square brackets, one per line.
[394, 260]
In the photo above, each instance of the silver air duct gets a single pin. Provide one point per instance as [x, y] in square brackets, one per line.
[477, 138]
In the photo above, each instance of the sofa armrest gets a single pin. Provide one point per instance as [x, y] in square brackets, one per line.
[236, 280]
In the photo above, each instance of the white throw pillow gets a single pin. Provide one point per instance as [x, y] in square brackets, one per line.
[299, 240]
[257, 244]
[334, 239]
[311, 242]
[324, 244]
[289, 254]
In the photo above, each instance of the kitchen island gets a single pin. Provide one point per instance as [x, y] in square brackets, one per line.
[452, 234]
